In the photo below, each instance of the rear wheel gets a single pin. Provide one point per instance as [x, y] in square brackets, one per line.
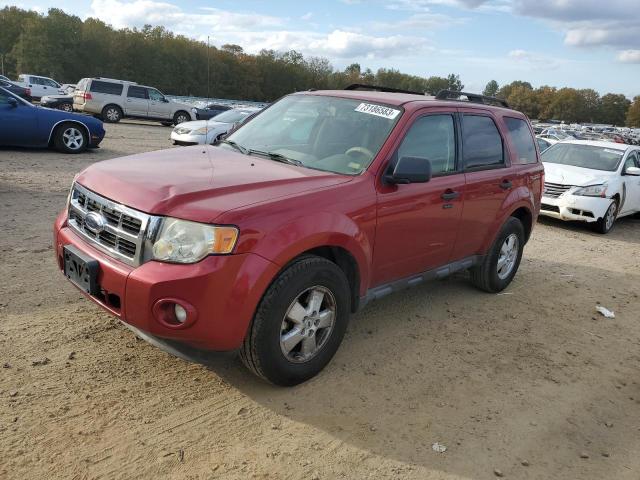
[70, 138]
[181, 117]
[500, 265]
[299, 323]
[605, 224]
[112, 114]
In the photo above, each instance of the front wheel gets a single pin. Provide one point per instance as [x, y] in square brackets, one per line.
[65, 107]
[70, 138]
[299, 323]
[181, 117]
[605, 224]
[501, 263]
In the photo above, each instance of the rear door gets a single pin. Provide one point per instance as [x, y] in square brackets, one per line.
[137, 103]
[488, 180]
[418, 223]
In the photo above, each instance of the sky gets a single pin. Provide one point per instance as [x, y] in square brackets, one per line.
[574, 43]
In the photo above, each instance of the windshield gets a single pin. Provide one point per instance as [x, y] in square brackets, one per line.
[232, 116]
[326, 133]
[585, 156]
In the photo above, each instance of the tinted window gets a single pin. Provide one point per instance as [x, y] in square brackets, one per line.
[482, 144]
[50, 83]
[632, 161]
[521, 139]
[432, 137]
[137, 92]
[106, 87]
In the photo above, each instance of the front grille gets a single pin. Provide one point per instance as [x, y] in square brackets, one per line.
[555, 189]
[123, 233]
[550, 208]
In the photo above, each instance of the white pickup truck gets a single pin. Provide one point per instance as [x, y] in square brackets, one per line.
[40, 86]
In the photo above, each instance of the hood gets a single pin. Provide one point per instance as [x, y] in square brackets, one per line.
[199, 183]
[570, 175]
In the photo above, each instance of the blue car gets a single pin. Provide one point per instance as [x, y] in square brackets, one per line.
[25, 125]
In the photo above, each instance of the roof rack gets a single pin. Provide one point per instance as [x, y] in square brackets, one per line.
[377, 88]
[471, 97]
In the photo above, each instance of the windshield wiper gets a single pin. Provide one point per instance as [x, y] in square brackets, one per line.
[240, 148]
[278, 157]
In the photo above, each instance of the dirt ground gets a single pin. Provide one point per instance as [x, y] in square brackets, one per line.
[527, 382]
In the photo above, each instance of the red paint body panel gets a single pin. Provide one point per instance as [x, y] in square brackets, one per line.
[391, 231]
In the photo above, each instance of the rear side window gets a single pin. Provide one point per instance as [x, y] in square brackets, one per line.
[432, 137]
[482, 143]
[106, 87]
[521, 139]
[82, 84]
[137, 92]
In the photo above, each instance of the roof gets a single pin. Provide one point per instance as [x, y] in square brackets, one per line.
[597, 143]
[398, 99]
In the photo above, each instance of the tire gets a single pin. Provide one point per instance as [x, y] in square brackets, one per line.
[111, 114]
[605, 224]
[70, 138]
[273, 348]
[65, 107]
[487, 276]
[181, 117]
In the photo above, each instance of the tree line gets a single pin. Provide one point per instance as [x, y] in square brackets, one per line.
[67, 48]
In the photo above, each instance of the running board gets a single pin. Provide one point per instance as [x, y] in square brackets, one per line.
[414, 280]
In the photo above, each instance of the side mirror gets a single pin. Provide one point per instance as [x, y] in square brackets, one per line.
[13, 103]
[635, 171]
[410, 170]
[165, 100]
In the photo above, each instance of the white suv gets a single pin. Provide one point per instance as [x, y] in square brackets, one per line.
[40, 86]
[114, 100]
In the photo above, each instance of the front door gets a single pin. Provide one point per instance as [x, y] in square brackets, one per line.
[418, 223]
[631, 185]
[137, 104]
[19, 124]
[159, 107]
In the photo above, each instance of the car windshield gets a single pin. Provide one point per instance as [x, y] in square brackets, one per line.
[585, 156]
[231, 116]
[339, 135]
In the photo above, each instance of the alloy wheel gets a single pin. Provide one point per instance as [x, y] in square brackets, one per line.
[611, 215]
[308, 324]
[72, 138]
[508, 256]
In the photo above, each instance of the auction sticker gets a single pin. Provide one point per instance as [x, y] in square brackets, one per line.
[377, 110]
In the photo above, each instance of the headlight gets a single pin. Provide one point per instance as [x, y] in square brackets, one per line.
[592, 191]
[180, 241]
[201, 131]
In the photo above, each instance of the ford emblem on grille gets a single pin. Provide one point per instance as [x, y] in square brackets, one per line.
[95, 222]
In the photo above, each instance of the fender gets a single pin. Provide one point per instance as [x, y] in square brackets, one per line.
[69, 121]
[306, 232]
[517, 198]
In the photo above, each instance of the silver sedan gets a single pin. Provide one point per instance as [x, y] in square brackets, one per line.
[208, 131]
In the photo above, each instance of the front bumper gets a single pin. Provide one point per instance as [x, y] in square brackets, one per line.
[224, 291]
[575, 207]
[187, 139]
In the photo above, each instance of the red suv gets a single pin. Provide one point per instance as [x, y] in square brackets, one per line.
[327, 200]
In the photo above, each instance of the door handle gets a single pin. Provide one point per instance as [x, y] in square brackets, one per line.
[506, 184]
[449, 194]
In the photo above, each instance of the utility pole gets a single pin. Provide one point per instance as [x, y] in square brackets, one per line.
[208, 69]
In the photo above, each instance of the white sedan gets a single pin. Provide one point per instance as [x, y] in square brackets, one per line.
[594, 182]
[203, 132]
